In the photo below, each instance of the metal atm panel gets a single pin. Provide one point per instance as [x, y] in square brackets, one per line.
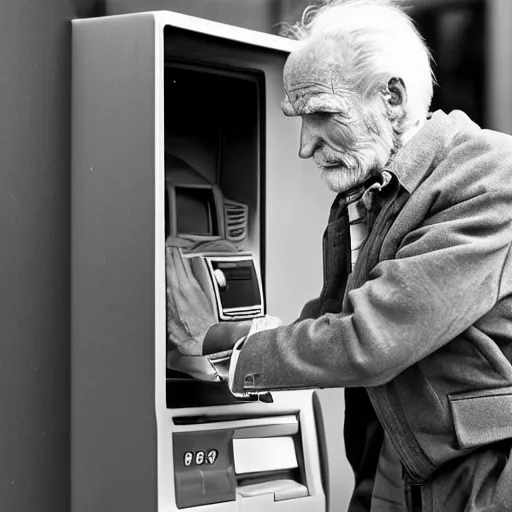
[126, 432]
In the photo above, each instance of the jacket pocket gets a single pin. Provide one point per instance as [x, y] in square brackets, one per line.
[482, 417]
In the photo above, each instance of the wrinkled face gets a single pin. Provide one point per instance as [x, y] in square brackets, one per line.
[348, 138]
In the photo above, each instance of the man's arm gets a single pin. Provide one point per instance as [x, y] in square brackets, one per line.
[445, 276]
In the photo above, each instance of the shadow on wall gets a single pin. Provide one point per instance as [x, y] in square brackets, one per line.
[252, 14]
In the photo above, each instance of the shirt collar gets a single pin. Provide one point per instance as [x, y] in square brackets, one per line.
[383, 180]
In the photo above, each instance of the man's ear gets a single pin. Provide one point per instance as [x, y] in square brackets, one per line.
[395, 96]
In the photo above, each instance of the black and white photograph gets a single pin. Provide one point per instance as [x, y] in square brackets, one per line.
[256, 255]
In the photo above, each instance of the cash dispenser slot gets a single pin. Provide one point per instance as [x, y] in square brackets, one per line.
[229, 463]
[268, 465]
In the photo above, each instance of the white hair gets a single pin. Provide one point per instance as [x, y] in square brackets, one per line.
[378, 41]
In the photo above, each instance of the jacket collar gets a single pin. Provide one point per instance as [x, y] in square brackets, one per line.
[421, 154]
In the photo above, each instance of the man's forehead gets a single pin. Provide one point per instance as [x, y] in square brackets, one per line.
[314, 62]
[313, 79]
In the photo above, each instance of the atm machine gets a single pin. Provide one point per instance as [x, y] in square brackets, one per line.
[179, 146]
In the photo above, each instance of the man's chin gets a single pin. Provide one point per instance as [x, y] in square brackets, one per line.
[340, 180]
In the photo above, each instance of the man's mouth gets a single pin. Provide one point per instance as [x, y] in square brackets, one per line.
[329, 167]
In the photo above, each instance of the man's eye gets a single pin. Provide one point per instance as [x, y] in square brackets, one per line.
[323, 116]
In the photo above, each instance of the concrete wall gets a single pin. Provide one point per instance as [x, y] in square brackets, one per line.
[35, 42]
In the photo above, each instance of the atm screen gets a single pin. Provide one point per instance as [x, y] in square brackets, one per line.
[195, 211]
[242, 288]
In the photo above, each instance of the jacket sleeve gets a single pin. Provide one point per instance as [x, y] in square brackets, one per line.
[446, 275]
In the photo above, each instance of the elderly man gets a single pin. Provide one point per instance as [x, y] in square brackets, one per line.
[419, 331]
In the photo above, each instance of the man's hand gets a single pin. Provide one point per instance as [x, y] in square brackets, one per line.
[198, 345]
[218, 361]
[189, 312]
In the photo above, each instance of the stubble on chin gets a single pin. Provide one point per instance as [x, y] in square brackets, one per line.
[342, 180]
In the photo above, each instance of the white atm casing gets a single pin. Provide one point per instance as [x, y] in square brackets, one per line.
[122, 428]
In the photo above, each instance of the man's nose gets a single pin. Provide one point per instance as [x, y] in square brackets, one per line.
[309, 139]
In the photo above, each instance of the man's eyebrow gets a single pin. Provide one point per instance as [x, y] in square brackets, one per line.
[318, 103]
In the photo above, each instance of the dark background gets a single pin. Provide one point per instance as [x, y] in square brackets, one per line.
[455, 34]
